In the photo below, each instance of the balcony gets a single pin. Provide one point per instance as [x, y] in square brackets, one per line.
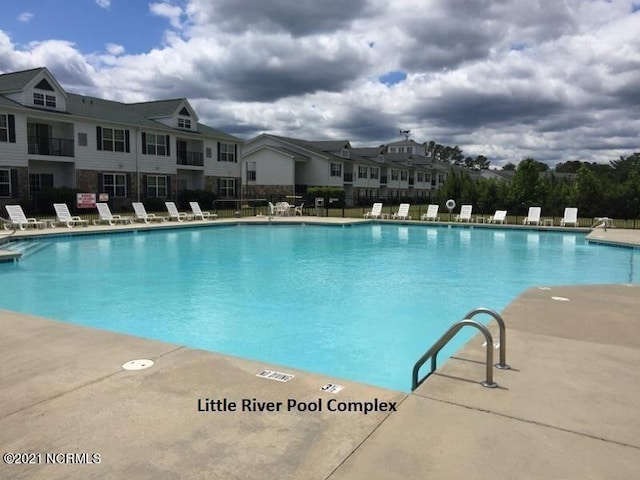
[195, 159]
[348, 177]
[383, 180]
[59, 147]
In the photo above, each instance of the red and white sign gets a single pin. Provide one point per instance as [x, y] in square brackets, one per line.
[86, 200]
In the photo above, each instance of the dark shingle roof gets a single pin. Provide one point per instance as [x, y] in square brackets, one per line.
[11, 82]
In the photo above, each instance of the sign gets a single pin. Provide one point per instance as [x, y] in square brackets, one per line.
[103, 197]
[86, 200]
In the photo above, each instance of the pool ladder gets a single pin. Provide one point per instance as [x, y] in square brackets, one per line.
[432, 353]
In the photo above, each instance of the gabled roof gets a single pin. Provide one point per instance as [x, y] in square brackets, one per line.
[164, 108]
[12, 82]
[330, 145]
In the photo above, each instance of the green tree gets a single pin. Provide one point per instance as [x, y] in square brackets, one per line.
[525, 187]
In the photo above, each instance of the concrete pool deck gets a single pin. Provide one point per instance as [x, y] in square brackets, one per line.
[566, 409]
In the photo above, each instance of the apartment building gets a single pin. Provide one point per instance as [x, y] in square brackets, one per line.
[128, 151]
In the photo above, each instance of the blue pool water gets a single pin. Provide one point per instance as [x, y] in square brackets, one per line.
[360, 302]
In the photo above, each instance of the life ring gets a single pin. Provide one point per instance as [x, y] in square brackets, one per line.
[451, 204]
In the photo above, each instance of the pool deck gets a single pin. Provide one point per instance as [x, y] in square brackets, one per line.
[568, 407]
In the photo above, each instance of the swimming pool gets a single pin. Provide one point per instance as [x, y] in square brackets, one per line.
[361, 302]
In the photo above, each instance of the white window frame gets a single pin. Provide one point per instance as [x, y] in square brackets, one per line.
[117, 186]
[157, 186]
[374, 173]
[184, 123]
[5, 182]
[156, 144]
[4, 127]
[404, 176]
[227, 188]
[362, 172]
[50, 101]
[38, 99]
[116, 138]
[227, 152]
[394, 174]
[335, 170]
[251, 172]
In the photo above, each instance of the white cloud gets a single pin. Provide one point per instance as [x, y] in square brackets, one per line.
[25, 17]
[172, 12]
[103, 3]
[505, 79]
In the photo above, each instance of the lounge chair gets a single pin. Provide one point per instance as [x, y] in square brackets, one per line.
[17, 218]
[105, 216]
[570, 217]
[64, 217]
[465, 213]
[198, 213]
[533, 217]
[174, 214]
[403, 212]
[298, 210]
[141, 214]
[499, 217]
[376, 211]
[431, 214]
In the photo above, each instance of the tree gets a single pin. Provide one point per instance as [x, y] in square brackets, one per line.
[509, 167]
[525, 188]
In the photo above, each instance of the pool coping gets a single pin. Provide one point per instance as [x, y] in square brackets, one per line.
[617, 237]
[552, 416]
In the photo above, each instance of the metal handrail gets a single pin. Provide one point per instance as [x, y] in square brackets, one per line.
[432, 353]
[502, 364]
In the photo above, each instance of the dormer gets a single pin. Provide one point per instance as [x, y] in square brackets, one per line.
[176, 113]
[35, 88]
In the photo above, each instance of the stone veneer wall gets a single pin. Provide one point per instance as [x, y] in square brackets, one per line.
[266, 191]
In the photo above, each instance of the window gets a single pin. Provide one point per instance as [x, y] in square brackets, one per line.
[156, 186]
[442, 177]
[362, 172]
[345, 153]
[40, 181]
[394, 174]
[427, 178]
[5, 183]
[208, 152]
[82, 139]
[419, 177]
[4, 128]
[115, 184]
[404, 175]
[251, 171]
[156, 144]
[227, 188]
[336, 170]
[113, 139]
[44, 100]
[227, 152]
[374, 173]
[184, 123]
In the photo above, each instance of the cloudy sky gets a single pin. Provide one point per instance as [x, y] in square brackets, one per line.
[554, 80]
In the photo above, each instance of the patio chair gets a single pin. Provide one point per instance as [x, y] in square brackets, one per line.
[533, 217]
[105, 216]
[431, 214]
[283, 209]
[570, 217]
[141, 214]
[174, 214]
[64, 217]
[499, 217]
[376, 211]
[403, 212]
[198, 213]
[298, 210]
[17, 218]
[465, 213]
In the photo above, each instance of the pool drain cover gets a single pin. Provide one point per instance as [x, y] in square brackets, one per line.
[137, 364]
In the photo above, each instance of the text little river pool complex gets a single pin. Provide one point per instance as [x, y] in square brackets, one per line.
[253, 405]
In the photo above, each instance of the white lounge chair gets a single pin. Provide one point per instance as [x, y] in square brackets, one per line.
[198, 213]
[376, 211]
[431, 214]
[105, 216]
[298, 210]
[533, 217]
[174, 214]
[141, 214]
[465, 213]
[499, 217]
[570, 217]
[403, 212]
[64, 217]
[17, 218]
